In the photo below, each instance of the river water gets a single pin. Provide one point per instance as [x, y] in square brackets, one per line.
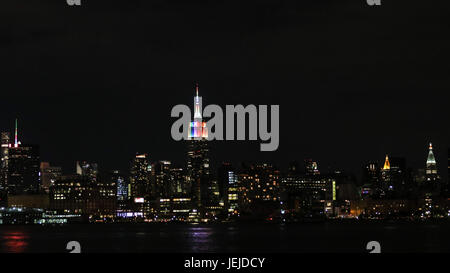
[229, 238]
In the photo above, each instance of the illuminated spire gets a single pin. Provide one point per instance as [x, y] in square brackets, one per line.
[387, 165]
[197, 105]
[16, 143]
[197, 128]
[431, 159]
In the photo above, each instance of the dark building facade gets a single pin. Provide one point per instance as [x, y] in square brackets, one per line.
[3, 198]
[87, 169]
[20, 165]
[49, 174]
[76, 194]
[141, 177]
[163, 180]
[143, 191]
[5, 145]
[259, 190]
[178, 182]
[198, 171]
[23, 169]
[120, 180]
[227, 183]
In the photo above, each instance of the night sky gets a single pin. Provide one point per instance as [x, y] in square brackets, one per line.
[353, 82]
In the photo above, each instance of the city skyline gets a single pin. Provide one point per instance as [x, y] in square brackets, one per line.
[155, 190]
[70, 167]
[21, 162]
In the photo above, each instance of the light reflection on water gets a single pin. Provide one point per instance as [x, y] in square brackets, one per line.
[14, 242]
[226, 238]
[199, 239]
[211, 239]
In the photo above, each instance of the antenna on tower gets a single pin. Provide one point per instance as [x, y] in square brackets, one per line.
[16, 143]
[196, 89]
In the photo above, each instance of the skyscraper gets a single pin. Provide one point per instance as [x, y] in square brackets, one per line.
[371, 174]
[23, 162]
[386, 178]
[398, 176]
[431, 171]
[229, 188]
[140, 179]
[143, 192]
[198, 168]
[178, 181]
[164, 186]
[259, 188]
[122, 186]
[88, 169]
[49, 174]
[430, 185]
[5, 144]
[223, 177]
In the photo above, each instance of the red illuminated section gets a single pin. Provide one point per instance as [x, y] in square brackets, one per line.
[14, 242]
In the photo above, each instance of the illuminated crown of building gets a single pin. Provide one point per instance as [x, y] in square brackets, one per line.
[431, 161]
[387, 165]
[197, 128]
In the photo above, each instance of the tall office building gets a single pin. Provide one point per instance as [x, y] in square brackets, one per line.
[223, 178]
[259, 186]
[178, 181]
[431, 185]
[164, 186]
[198, 168]
[120, 181]
[169, 181]
[398, 177]
[370, 179]
[143, 192]
[23, 174]
[87, 169]
[431, 171]
[386, 177]
[49, 174]
[140, 177]
[427, 179]
[229, 188]
[4, 153]
[174, 200]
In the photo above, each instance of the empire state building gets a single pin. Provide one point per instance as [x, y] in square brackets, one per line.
[198, 168]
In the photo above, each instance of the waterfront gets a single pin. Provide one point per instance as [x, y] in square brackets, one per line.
[229, 238]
